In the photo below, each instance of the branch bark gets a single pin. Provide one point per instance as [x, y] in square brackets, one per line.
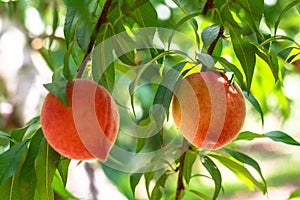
[102, 19]
[208, 5]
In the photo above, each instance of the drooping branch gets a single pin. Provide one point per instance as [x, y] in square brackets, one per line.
[102, 19]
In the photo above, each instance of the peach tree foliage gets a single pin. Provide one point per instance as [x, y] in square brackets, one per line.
[245, 30]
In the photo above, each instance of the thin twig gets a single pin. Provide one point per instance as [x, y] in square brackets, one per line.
[102, 19]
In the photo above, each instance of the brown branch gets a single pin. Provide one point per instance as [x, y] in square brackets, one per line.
[102, 19]
[208, 5]
[214, 43]
[180, 185]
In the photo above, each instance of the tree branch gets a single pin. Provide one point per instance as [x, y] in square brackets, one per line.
[208, 5]
[102, 19]
[180, 185]
[214, 43]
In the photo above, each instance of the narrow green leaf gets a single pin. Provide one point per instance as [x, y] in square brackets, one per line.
[255, 104]
[284, 11]
[210, 33]
[247, 135]
[134, 180]
[63, 168]
[240, 171]
[280, 136]
[294, 194]
[27, 175]
[18, 134]
[284, 54]
[145, 15]
[160, 184]
[9, 160]
[247, 160]
[46, 164]
[186, 18]
[199, 195]
[60, 189]
[103, 70]
[164, 93]
[141, 141]
[189, 161]
[245, 53]
[70, 24]
[214, 172]
[148, 178]
[231, 67]
[225, 16]
[270, 60]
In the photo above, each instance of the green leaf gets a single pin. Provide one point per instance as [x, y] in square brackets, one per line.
[206, 60]
[249, 161]
[58, 87]
[164, 93]
[134, 180]
[284, 11]
[5, 135]
[245, 53]
[189, 161]
[247, 135]
[280, 136]
[17, 135]
[240, 171]
[70, 24]
[294, 194]
[145, 15]
[186, 18]
[103, 70]
[63, 167]
[46, 165]
[253, 15]
[210, 33]
[59, 188]
[214, 172]
[284, 54]
[148, 178]
[9, 189]
[9, 160]
[255, 104]
[231, 67]
[270, 60]
[199, 195]
[277, 136]
[160, 184]
[28, 177]
[225, 15]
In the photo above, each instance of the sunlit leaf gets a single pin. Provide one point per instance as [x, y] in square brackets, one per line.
[9, 160]
[294, 194]
[245, 53]
[231, 67]
[240, 171]
[63, 168]
[134, 180]
[247, 135]
[214, 172]
[199, 195]
[247, 160]
[284, 11]
[159, 185]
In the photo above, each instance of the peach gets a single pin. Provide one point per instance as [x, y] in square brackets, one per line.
[296, 63]
[88, 128]
[208, 110]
